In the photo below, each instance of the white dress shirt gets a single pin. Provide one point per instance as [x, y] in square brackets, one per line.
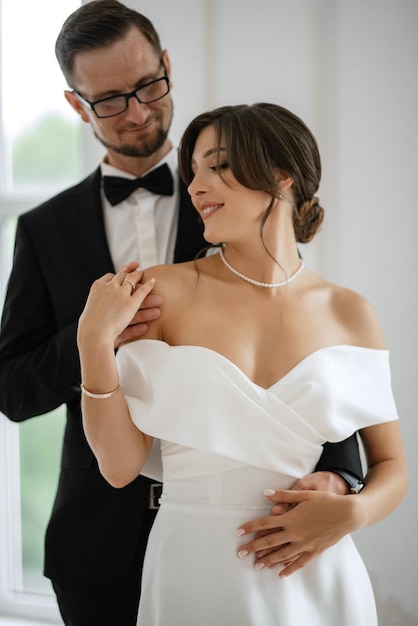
[143, 227]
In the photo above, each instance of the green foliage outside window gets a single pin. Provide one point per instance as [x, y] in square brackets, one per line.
[48, 152]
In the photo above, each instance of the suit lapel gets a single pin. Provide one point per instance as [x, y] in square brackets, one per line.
[84, 216]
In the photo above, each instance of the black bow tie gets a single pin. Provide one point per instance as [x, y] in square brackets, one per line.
[158, 181]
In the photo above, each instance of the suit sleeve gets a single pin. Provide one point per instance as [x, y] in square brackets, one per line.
[343, 456]
[39, 364]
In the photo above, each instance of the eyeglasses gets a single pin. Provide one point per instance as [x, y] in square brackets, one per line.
[145, 94]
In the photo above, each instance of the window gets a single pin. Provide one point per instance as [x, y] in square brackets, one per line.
[33, 166]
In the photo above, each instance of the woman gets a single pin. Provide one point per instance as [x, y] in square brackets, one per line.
[254, 363]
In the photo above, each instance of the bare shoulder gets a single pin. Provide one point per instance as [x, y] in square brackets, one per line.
[176, 284]
[359, 319]
[178, 278]
[173, 280]
[169, 271]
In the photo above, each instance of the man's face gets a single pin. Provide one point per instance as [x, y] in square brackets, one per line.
[141, 130]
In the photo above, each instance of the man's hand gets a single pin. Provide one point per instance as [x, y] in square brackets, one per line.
[322, 481]
[139, 324]
[304, 522]
[149, 311]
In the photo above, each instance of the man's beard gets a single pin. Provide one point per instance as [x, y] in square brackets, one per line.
[146, 149]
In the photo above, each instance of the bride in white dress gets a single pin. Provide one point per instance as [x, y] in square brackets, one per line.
[254, 363]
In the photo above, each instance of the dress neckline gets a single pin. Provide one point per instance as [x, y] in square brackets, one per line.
[319, 352]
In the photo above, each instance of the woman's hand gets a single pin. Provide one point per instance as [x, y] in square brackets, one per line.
[304, 524]
[112, 306]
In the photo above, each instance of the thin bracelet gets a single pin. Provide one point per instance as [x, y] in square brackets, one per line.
[99, 396]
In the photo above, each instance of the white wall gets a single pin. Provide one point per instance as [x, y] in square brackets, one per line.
[349, 69]
[374, 246]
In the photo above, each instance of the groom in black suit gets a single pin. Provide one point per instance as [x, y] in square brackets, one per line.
[119, 83]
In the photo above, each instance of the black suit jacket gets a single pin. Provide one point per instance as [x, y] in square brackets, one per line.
[61, 248]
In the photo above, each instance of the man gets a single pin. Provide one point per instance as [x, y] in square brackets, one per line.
[119, 80]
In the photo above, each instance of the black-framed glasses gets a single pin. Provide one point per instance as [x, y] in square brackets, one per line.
[145, 94]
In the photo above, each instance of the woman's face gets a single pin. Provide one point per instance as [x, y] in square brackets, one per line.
[229, 210]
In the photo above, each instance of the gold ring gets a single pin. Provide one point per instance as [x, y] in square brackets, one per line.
[131, 284]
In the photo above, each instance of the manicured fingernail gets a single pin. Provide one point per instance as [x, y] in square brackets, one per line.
[242, 553]
[259, 565]
[240, 532]
[269, 492]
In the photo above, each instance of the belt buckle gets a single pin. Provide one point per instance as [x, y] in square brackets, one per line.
[155, 492]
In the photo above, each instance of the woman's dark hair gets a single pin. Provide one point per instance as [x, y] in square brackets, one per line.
[96, 25]
[260, 140]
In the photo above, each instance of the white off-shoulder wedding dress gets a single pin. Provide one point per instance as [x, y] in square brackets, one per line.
[224, 440]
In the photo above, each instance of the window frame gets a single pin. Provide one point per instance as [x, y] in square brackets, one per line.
[15, 602]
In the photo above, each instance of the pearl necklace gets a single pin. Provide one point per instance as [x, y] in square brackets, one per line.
[256, 282]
